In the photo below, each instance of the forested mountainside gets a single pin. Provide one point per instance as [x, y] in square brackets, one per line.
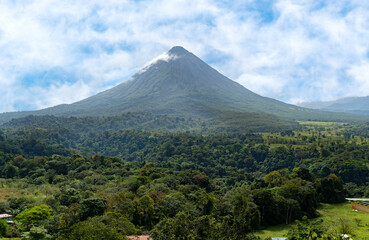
[77, 127]
[177, 185]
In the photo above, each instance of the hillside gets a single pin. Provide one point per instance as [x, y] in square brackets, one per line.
[225, 122]
[356, 105]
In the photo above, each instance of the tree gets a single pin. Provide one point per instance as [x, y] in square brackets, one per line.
[260, 152]
[144, 211]
[302, 173]
[179, 227]
[10, 171]
[245, 212]
[92, 207]
[276, 178]
[307, 230]
[206, 203]
[267, 206]
[330, 189]
[119, 223]
[69, 196]
[186, 227]
[34, 215]
[36, 233]
[279, 158]
[304, 193]
[121, 203]
[93, 229]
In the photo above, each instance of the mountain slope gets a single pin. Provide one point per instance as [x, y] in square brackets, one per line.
[179, 83]
[356, 105]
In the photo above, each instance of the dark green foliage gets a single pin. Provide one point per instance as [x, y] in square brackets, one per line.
[303, 173]
[22, 144]
[69, 196]
[330, 189]
[4, 206]
[10, 171]
[93, 229]
[304, 193]
[246, 214]
[260, 152]
[72, 126]
[13, 232]
[308, 230]
[37, 233]
[3, 227]
[92, 207]
[187, 227]
[20, 203]
[119, 223]
[144, 212]
[272, 207]
[279, 158]
[180, 227]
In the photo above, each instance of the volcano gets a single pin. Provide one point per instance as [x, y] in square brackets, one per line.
[179, 83]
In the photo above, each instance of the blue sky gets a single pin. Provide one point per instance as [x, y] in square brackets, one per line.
[54, 52]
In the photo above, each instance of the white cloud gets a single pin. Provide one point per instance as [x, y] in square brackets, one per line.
[360, 84]
[66, 93]
[258, 82]
[107, 68]
[309, 50]
[166, 57]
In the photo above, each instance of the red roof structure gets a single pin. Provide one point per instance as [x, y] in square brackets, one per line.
[359, 204]
[142, 237]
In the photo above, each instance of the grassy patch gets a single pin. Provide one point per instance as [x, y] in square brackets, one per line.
[273, 231]
[359, 221]
[331, 215]
[318, 123]
[6, 193]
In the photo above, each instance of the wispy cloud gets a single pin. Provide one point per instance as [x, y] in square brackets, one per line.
[285, 49]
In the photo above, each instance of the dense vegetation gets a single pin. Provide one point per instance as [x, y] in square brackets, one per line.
[226, 121]
[76, 183]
